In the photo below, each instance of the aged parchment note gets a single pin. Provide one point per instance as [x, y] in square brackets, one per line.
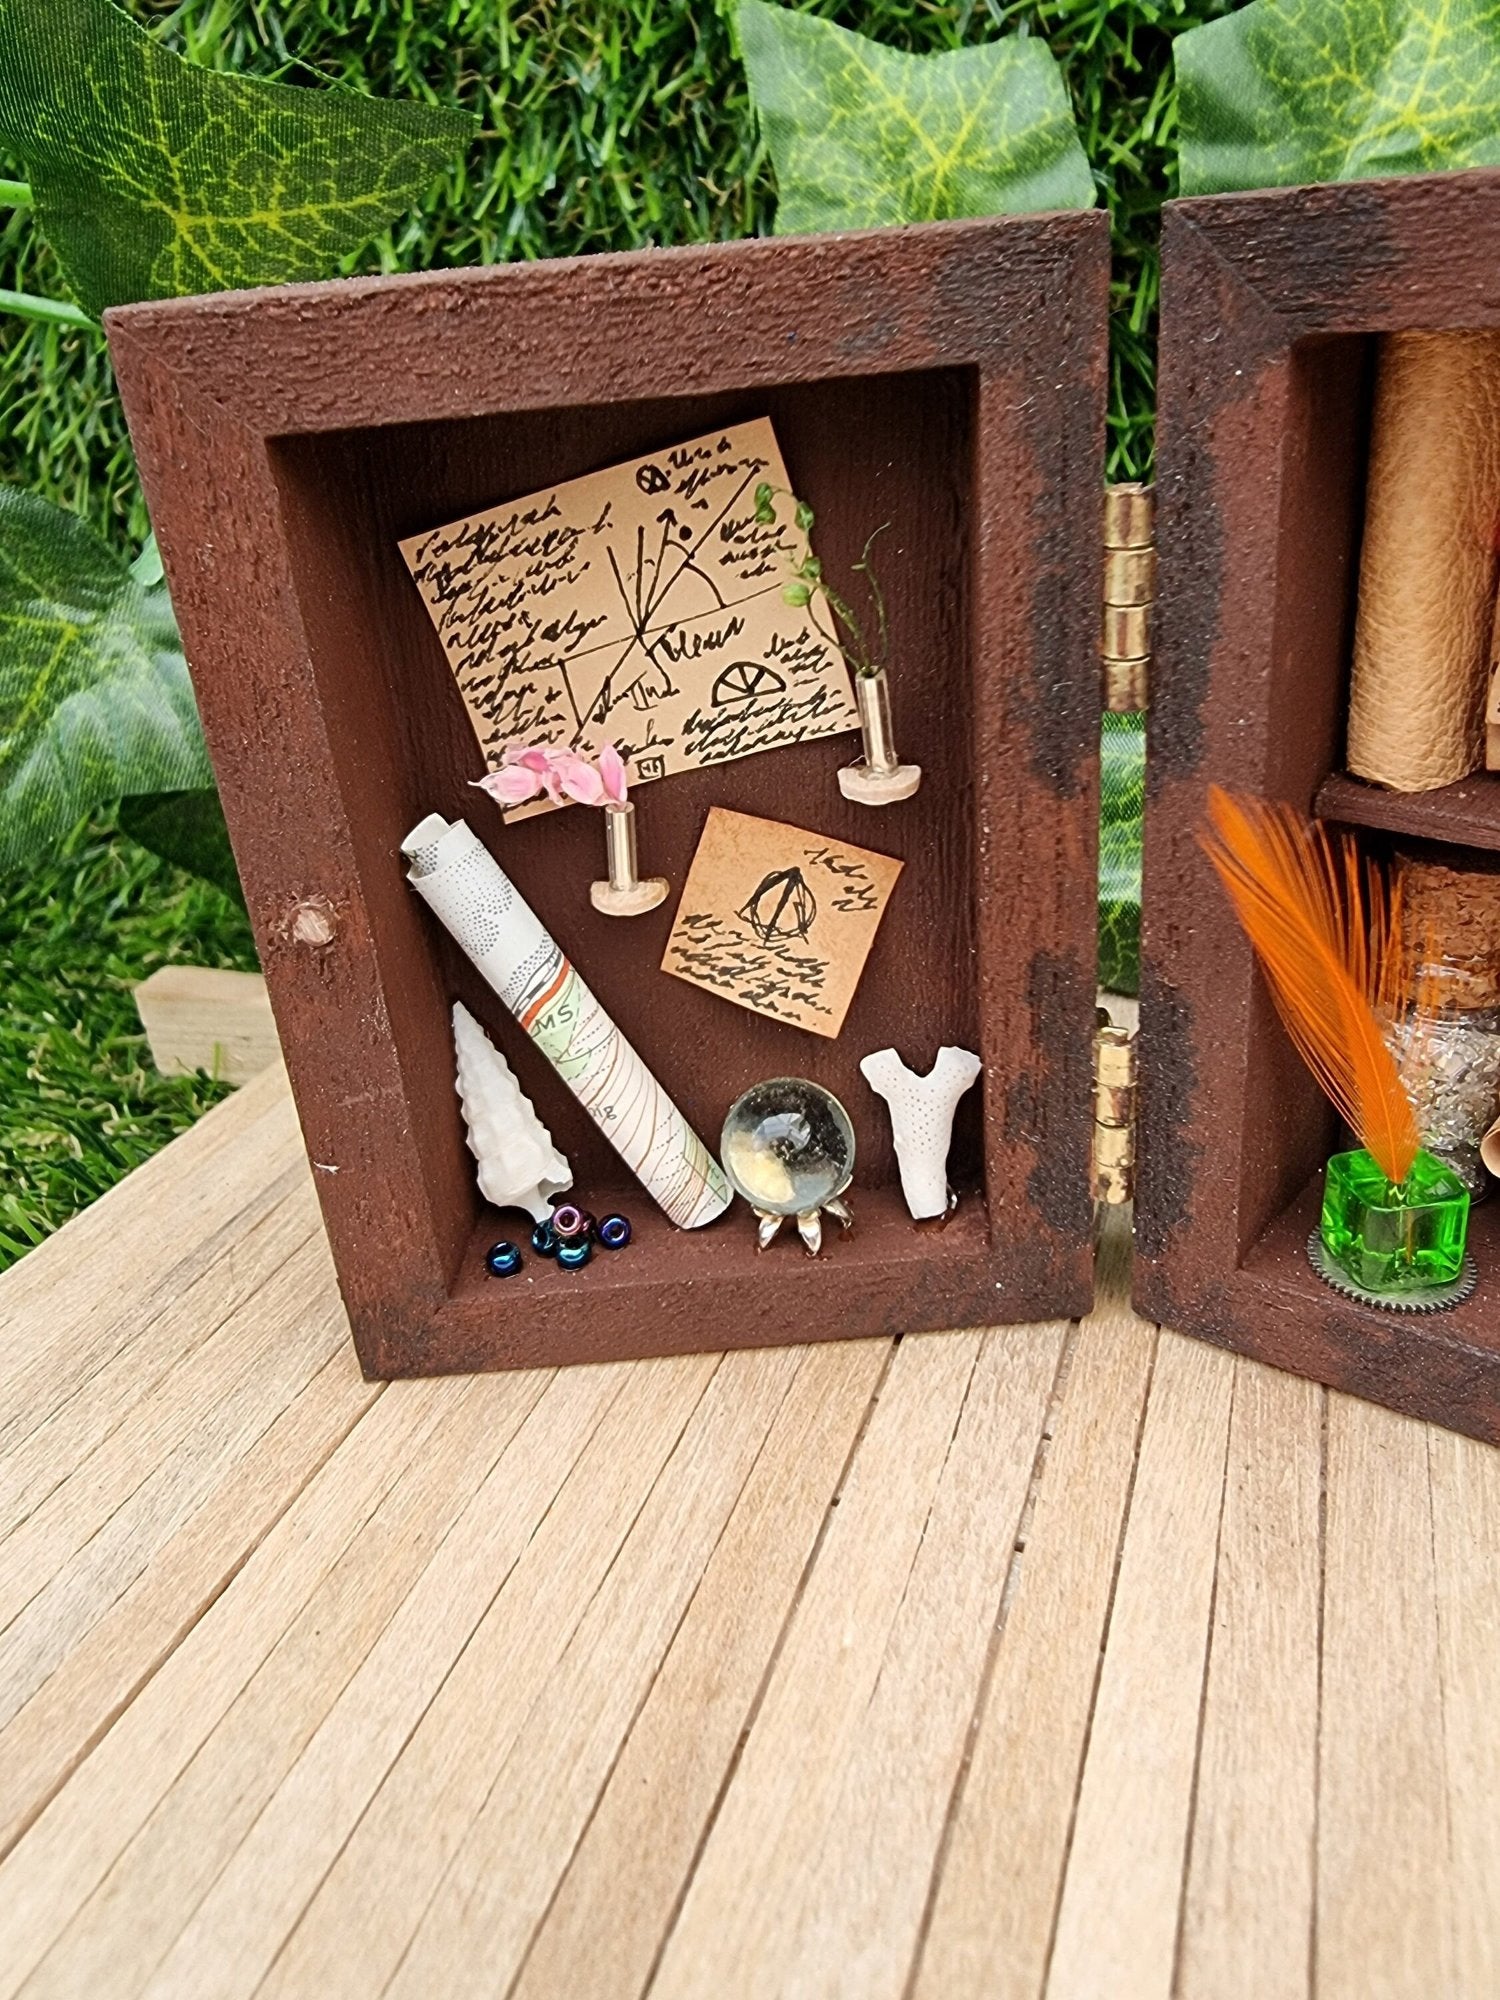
[779, 920]
[642, 606]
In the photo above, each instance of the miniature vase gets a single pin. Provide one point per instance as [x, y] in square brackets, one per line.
[624, 894]
[880, 779]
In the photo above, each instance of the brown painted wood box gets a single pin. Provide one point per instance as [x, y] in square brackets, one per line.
[948, 379]
[1270, 305]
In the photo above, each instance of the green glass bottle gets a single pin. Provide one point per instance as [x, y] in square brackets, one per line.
[1386, 1238]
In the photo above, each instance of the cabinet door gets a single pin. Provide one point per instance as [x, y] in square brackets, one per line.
[1271, 305]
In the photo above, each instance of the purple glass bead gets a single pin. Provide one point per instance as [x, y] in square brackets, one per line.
[502, 1260]
[614, 1231]
[571, 1224]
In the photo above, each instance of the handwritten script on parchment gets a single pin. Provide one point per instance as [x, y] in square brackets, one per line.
[779, 920]
[642, 606]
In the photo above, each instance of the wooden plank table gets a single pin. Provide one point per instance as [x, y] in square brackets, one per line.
[1067, 1661]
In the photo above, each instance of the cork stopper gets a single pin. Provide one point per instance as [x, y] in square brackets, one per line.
[1450, 917]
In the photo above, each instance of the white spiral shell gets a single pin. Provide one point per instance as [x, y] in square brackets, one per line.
[519, 1167]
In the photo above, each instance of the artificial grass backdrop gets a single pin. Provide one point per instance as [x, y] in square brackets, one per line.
[80, 1103]
[606, 124]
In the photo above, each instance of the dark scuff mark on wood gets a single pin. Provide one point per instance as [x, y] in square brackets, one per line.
[1167, 1152]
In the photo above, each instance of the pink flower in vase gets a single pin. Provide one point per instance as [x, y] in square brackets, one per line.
[575, 778]
[525, 773]
[511, 785]
[529, 771]
[612, 774]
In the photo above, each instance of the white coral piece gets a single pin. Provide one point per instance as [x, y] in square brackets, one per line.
[519, 1167]
[922, 1109]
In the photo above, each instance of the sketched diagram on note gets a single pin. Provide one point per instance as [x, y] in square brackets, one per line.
[779, 920]
[745, 680]
[641, 605]
[780, 906]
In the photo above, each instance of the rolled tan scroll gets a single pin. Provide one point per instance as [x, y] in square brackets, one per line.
[1427, 573]
[1492, 706]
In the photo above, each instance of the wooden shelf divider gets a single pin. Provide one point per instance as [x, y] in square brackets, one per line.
[1463, 815]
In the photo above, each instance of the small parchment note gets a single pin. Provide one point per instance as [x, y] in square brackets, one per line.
[779, 920]
[642, 606]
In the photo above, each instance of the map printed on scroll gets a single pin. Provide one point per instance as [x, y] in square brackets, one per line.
[641, 606]
[476, 901]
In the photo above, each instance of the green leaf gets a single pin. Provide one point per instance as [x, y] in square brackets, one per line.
[1291, 91]
[1122, 791]
[187, 829]
[863, 135]
[47, 312]
[147, 568]
[153, 177]
[95, 700]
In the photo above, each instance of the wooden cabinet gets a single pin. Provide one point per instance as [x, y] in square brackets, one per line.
[947, 380]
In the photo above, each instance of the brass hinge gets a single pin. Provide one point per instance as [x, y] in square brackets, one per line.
[1129, 593]
[1114, 1112]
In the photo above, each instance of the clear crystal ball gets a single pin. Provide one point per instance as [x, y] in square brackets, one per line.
[787, 1146]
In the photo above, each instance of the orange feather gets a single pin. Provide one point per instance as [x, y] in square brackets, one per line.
[1328, 937]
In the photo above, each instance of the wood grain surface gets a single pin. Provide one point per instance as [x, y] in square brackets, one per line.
[1042, 1661]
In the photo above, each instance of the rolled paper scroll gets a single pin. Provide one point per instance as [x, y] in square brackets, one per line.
[1427, 571]
[472, 897]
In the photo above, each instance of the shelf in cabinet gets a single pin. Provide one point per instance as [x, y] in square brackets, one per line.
[1463, 815]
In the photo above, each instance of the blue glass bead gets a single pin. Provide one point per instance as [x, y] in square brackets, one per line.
[573, 1256]
[614, 1232]
[502, 1260]
[544, 1240]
